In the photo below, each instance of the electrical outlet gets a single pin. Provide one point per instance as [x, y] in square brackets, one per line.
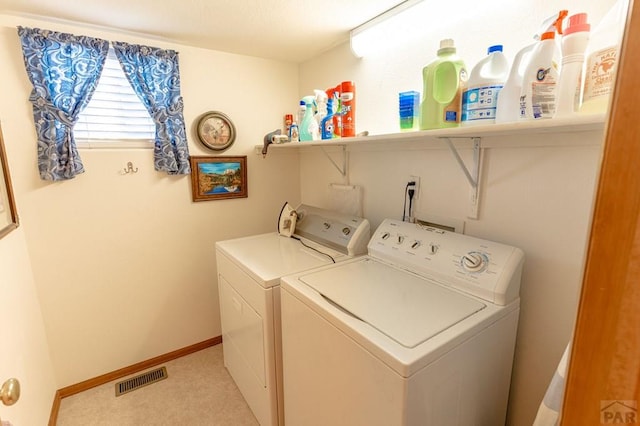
[415, 179]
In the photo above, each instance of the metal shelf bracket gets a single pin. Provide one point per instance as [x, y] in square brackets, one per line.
[472, 176]
[342, 169]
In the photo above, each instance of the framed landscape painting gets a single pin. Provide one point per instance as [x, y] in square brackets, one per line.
[218, 178]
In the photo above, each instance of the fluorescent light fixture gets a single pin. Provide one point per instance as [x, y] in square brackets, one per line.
[380, 31]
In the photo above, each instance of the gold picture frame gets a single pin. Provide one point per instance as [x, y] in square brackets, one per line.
[8, 214]
[218, 178]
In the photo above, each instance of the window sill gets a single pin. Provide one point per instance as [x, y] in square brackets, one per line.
[114, 144]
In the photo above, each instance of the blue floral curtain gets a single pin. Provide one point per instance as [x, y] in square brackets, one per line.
[155, 78]
[64, 70]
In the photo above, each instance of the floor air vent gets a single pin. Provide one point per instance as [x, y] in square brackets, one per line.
[141, 381]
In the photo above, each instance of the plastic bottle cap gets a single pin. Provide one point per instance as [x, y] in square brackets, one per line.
[447, 42]
[495, 48]
[577, 22]
[548, 35]
[446, 47]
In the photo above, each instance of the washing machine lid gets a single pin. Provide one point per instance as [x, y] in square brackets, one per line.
[405, 307]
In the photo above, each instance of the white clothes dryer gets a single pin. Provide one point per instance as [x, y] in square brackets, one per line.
[249, 271]
[421, 331]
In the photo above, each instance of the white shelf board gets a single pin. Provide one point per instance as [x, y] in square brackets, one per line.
[555, 126]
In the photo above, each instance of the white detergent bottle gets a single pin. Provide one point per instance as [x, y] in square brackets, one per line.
[321, 106]
[487, 78]
[508, 104]
[538, 93]
[602, 59]
[574, 43]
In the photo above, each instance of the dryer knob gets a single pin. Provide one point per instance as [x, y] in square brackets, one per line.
[326, 225]
[400, 239]
[415, 244]
[386, 235]
[346, 230]
[433, 248]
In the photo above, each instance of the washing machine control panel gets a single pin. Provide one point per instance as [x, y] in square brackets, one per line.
[483, 268]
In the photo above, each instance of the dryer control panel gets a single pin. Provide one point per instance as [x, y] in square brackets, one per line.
[482, 268]
[344, 233]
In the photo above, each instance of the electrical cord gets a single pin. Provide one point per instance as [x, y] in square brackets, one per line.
[408, 193]
[300, 240]
[313, 248]
[411, 193]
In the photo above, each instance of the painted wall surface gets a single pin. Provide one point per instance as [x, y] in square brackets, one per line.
[535, 197]
[25, 351]
[124, 265]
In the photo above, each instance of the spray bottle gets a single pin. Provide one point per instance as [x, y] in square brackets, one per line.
[538, 93]
[508, 104]
[309, 125]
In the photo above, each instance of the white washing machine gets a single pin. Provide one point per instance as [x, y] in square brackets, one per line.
[421, 331]
[249, 271]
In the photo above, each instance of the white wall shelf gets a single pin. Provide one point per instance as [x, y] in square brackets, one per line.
[500, 135]
[525, 133]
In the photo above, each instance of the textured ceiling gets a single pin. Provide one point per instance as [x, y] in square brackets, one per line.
[292, 30]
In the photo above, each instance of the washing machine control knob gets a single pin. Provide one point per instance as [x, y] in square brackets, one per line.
[474, 261]
[326, 225]
[400, 239]
[386, 236]
[346, 230]
[433, 248]
[415, 244]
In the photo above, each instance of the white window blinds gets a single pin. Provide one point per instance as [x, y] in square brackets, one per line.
[115, 112]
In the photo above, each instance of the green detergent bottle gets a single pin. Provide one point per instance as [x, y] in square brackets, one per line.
[444, 80]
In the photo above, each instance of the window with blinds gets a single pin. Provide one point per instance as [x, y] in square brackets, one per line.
[115, 113]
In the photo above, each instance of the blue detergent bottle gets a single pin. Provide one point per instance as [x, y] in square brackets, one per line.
[326, 126]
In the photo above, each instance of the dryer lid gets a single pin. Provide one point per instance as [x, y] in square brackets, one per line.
[405, 307]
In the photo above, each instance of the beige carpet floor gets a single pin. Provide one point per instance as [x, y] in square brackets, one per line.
[198, 391]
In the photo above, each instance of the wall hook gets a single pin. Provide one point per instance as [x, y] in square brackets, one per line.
[130, 168]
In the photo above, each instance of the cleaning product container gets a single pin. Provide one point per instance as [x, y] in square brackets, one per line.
[348, 108]
[602, 59]
[408, 108]
[538, 93]
[574, 44]
[334, 93]
[509, 97]
[309, 129]
[487, 78]
[508, 103]
[443, 80]
[321, 106]
[326, 125]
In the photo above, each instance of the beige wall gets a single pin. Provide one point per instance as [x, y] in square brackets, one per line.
[25, 353]
[124, 265]
[537, 198]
